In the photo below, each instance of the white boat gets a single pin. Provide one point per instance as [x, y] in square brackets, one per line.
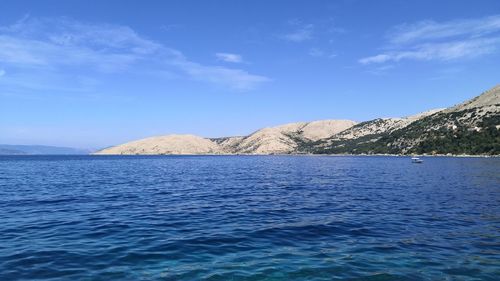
[416, 160]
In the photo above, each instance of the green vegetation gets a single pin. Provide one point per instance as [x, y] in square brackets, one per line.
[462, 132]
[463, 140]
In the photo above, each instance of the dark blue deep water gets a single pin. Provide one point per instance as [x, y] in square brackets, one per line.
[249, 218]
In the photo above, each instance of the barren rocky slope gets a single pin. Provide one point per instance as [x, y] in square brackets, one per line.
[488, 101]
[171, 144]
[283, 139]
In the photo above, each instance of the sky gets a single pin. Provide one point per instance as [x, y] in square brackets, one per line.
[92, 74]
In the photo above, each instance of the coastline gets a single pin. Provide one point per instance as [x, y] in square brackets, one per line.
[311, 154]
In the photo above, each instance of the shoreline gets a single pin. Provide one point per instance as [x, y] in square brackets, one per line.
[315, 155]
[286, 154]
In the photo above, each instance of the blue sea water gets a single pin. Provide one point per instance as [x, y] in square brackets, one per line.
[249, 218]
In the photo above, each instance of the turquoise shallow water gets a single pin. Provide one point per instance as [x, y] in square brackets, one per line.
[248, 218]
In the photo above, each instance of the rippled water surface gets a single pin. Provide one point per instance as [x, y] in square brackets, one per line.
[249, 218]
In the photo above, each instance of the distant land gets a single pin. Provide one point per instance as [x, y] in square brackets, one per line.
[8, 149]
[470, 128]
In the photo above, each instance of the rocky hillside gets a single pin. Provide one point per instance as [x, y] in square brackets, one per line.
[468, 128]
[368, 131]
[284, 139]
[487, 101]
[471, 128]
[172, 144]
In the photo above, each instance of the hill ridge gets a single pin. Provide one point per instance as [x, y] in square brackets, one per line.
[470, 127]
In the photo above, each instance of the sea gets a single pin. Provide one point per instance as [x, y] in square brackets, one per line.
[249, 218]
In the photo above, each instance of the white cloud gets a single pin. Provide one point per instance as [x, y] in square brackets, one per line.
[315, 52]
[429, 30]
[428, 40]
[319, 53]
[439, 51]
[303, 32]
[376, 59]
[228, 57]
[235, 78]
[381, 69]
[56, 45]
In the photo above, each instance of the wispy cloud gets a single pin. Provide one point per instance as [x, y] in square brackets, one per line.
[320, 53]
[429, 40]
[56, 45]
[439, 51]
[315, 52]
[381, 69]
[302, 32]
[170, 27]
[429, 30]
[236, 78]
[229, 57]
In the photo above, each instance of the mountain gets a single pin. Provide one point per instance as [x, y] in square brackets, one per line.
[7, 149]
[468, 128]
[471, 127]
[172, 144]
[366, 132]
[488, 101]
[284, 139]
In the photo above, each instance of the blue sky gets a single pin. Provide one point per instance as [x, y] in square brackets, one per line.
[97, 73]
